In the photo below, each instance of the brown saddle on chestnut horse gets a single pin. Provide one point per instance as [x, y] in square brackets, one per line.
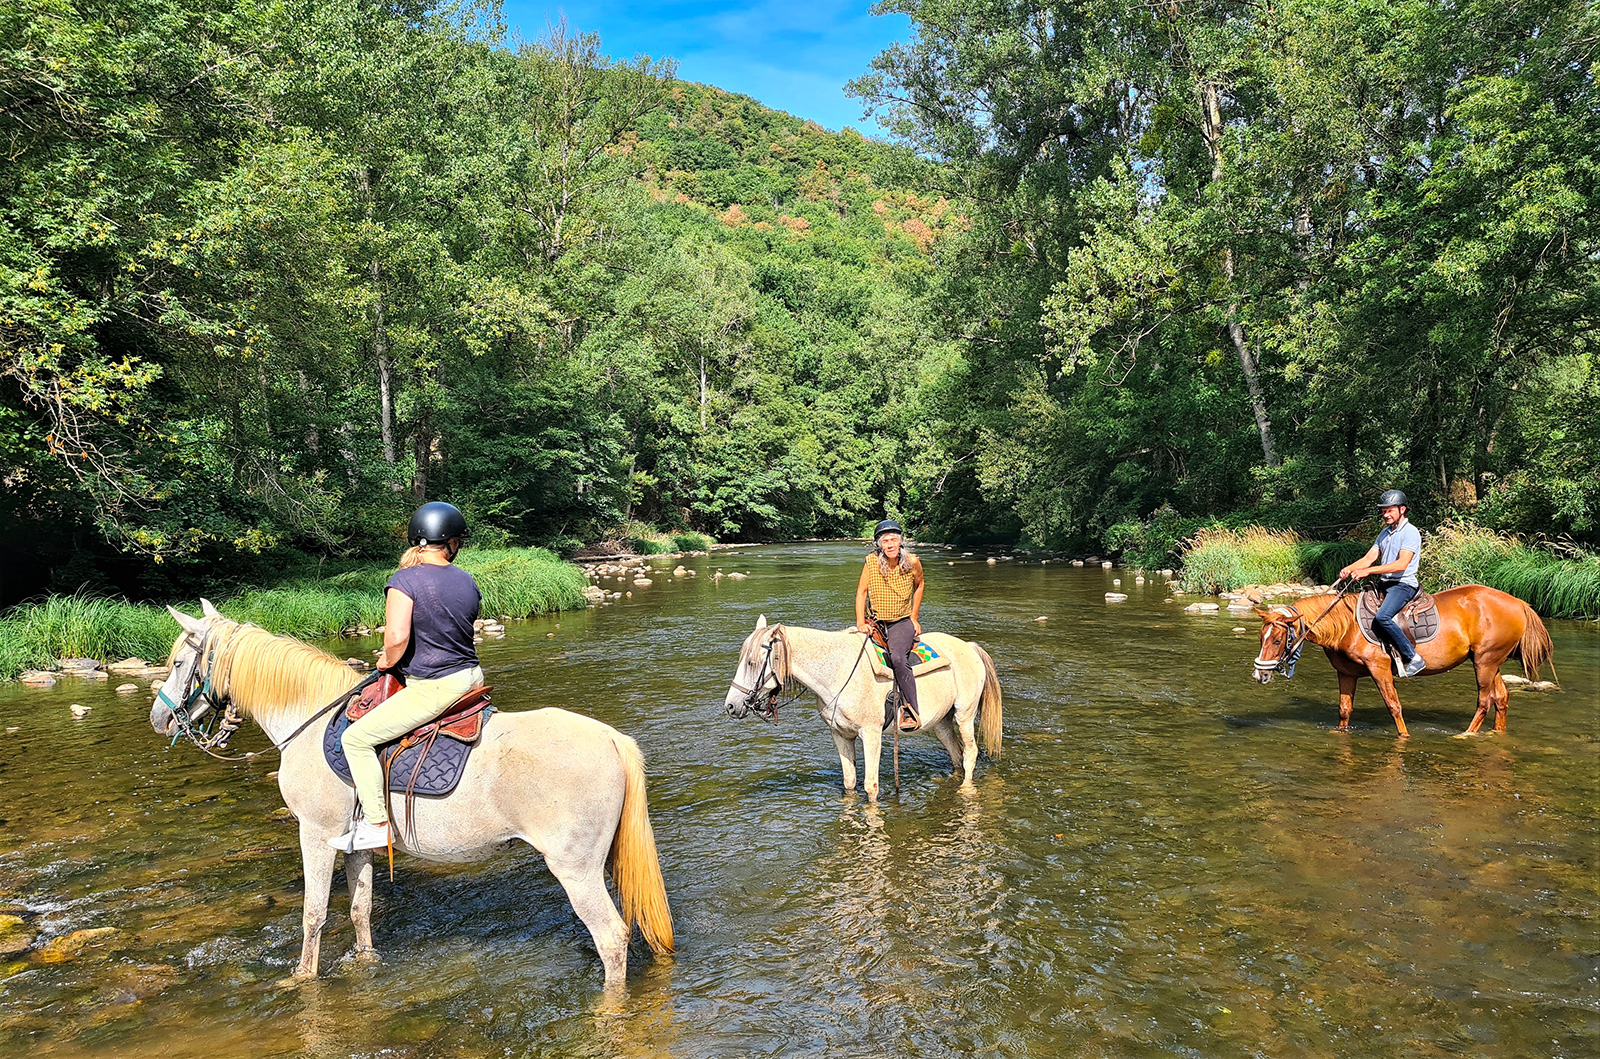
[1419, 618]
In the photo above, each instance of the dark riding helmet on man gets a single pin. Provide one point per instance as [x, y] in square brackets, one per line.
[1393, 498]
[888, 525]
[436, 523]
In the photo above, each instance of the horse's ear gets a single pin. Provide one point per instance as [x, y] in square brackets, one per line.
[1265, 616]
[761, 623]
[189, 624]
[207, 609]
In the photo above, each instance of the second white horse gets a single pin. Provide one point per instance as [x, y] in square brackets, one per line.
[960, 703]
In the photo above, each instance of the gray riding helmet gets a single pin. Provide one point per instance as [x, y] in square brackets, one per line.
[1393, 498]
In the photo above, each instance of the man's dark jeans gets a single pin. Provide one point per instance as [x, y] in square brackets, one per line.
[1395, 598]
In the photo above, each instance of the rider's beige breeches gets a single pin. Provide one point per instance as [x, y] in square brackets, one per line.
[419, 702]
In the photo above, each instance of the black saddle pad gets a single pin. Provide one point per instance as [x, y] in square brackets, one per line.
[440, 772]
[1419, 618]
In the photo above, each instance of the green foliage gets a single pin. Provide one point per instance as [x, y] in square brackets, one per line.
[692, 541]
[1154, 543]
[1558, 582]
[515, 582]
[1233, 257]
[272, 274]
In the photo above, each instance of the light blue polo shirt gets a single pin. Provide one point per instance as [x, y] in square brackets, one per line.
[1391, 542]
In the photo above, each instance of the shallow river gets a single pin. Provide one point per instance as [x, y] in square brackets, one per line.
[1167, 859]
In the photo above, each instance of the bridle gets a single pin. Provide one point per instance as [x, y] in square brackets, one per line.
[1295, 640]
[212, 733]
[1297, 634]
[758, 699]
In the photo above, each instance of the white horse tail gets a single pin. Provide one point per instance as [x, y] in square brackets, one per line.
[635, 867]
[989, 709]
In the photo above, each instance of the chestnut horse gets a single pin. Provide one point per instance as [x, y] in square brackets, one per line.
[1483, 624]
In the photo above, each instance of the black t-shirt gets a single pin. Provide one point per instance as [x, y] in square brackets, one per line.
[445, 602]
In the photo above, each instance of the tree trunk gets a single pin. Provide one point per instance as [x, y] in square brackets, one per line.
[380, 347]
[1211, 123]
[422, 450]
[702, 391]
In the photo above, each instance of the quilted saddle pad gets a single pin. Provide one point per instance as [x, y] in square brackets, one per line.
[1419, 619]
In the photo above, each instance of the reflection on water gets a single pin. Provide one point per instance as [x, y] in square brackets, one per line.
[1167, 859]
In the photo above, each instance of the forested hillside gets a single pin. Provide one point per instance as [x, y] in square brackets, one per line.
[271, 274]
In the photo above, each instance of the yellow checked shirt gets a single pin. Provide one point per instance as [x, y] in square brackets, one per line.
[889, 594]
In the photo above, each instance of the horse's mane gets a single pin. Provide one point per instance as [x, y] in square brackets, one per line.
[1330, 627]
[275, 678]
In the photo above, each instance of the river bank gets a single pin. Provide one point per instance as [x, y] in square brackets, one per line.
[1556, 580]
[38, 637]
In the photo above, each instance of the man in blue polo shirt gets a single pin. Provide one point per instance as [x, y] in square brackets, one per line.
[1393, 559]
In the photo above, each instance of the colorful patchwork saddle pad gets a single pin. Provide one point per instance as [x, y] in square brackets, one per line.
[924, 659]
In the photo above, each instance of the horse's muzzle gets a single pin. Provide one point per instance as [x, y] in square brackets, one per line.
[163, 720]
[738, 709]
[1264, 676]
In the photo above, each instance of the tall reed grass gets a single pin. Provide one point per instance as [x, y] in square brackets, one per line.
[1220, 559]
[515, 582]
[1558, 581]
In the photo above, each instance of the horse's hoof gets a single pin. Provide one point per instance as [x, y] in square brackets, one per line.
[365, 957]
[299, 978]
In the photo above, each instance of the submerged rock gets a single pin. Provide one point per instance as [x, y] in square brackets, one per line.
[36, 678]
[127, 689]
[1116, 597]
[70, 946]
[1201, 608]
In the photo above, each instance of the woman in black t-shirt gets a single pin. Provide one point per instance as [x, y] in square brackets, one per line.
[430, 606]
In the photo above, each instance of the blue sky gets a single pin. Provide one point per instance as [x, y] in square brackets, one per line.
[791, 56]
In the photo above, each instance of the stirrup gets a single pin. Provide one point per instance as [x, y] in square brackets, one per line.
[909, 721]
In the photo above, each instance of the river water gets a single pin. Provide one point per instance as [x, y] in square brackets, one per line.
[1166, 860]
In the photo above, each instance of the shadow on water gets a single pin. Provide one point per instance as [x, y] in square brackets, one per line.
[1166, 859]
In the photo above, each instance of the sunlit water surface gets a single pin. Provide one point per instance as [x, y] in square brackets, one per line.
[1167, 859]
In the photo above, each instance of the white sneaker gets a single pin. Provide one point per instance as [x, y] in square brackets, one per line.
[364, 835]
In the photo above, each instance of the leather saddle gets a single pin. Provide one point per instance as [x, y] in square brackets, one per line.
[1419, 618]
[420, 762]
[463, 720]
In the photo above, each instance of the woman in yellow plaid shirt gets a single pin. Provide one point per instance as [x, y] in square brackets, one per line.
[889, 596]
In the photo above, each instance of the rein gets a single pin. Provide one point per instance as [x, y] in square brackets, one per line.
[1298, 634]
[213, 734]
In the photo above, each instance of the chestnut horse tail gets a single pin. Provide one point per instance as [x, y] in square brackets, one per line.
[989, 709]
[635, 867]
[1535, 649]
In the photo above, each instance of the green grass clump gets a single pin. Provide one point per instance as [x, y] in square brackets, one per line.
[34, 635]
[1220, 559]
[644, 539]
[306, 610]
[1558, 582]
[515, 582]
[519, 582]
[692, 541]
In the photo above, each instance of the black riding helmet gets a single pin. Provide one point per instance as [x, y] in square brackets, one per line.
[1393, 498]
[436, 523]
[888, 525]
